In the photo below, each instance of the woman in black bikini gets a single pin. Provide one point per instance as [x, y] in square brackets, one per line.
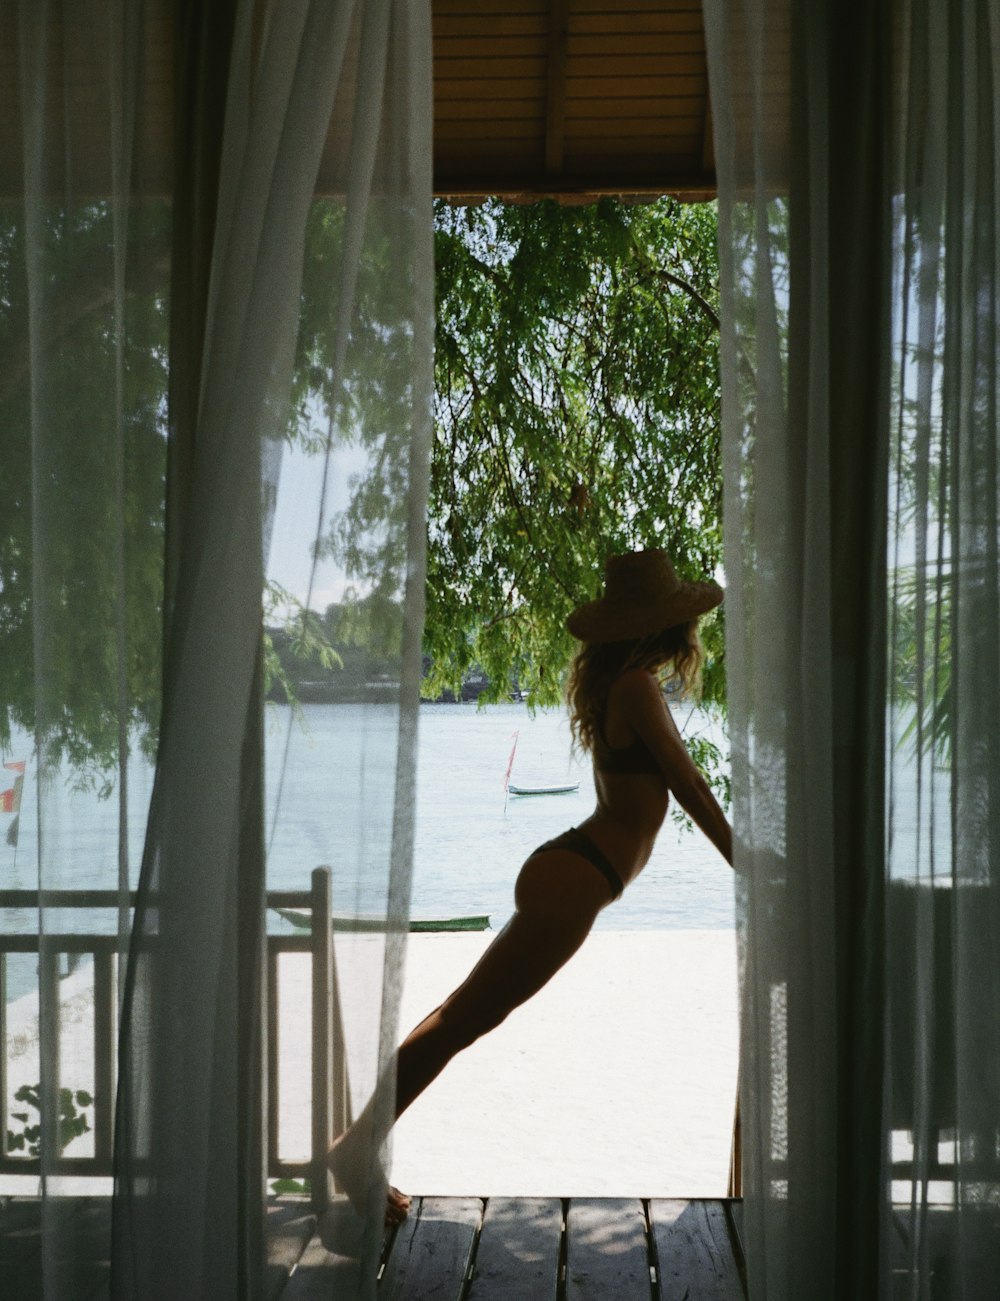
[645, 621]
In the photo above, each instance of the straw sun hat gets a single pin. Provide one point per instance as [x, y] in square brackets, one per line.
[642, 595]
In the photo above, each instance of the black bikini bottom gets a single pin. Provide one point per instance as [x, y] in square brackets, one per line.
[578, 842]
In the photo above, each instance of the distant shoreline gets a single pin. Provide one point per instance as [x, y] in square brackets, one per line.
[326, 693]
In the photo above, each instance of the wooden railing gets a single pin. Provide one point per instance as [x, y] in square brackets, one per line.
[331, 1105]
[330, 1088]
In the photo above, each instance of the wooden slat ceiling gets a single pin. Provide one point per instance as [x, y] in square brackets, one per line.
[571, 98]
[568, 98]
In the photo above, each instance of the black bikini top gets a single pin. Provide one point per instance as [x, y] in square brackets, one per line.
[633, 758]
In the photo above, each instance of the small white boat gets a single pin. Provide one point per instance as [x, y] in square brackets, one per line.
[565, 788]
[560, 788]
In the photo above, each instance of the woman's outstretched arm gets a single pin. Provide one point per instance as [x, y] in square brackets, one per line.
[641, 701]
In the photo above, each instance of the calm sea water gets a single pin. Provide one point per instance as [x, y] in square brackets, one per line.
[471, 838]
[471, 841]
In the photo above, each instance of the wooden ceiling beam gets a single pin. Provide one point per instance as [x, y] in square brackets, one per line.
[708, 141]
[555, 98]
[568, 99]
[689, 188]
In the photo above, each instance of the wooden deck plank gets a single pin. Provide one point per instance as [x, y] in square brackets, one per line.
[433, 1249]
[80, 1263]
[77, 1243]
[330, 1263]
[606, 1250]
[19, 1234]
[320, 1275]
[695, 1251]
[518, 1256]
[290, 1226]
[935, 1265]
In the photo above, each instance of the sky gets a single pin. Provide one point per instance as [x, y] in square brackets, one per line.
[297, 521]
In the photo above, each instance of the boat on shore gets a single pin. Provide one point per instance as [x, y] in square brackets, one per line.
[301, 918]
[563, 788]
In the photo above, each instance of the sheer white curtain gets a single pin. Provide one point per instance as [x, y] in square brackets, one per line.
[85, 266]
[943, 1086]
[153, 310]
[857, 153]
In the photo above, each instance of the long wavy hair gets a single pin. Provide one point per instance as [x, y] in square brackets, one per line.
[674, 655]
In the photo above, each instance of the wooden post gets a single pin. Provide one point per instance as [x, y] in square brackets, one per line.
[105, 1053]
[341, 1115]
[3, 1053]
[735, 1186]
[341, 1085]
[49, 1035]
[272, 1055]
[322, 1030]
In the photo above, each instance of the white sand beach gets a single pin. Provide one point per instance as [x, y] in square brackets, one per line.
[618, 1079]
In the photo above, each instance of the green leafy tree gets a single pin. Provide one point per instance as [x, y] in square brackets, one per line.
[89, 488]
[576, 415]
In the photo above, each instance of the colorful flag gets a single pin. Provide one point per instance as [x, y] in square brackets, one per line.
[12, 832]
[10, 799]
[510, 761]
[16, 765]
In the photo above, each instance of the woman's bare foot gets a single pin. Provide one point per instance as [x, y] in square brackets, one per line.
[347, 1161]
[397, 1206]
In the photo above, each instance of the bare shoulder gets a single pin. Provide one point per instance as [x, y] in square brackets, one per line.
[636, 691]
[637, 697]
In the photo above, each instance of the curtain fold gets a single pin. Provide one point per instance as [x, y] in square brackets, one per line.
[943, 1103]
[308, 89]
[181, 1208]
[84, 260]
[217, 323]
[857, 161]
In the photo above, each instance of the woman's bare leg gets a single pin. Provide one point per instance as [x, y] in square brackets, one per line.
[557, 896]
